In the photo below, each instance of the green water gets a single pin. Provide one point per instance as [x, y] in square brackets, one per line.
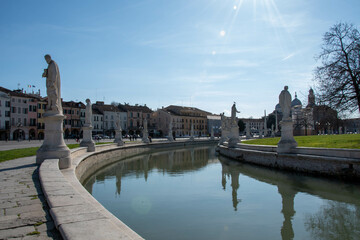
[193, 194]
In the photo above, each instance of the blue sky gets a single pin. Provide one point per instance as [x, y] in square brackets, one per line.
[201, 53]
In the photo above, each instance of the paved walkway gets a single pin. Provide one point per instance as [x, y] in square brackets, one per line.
[23, 209]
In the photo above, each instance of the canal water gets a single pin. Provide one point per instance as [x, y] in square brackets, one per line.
[192, 193]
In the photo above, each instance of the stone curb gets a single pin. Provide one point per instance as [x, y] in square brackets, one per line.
[306, 160]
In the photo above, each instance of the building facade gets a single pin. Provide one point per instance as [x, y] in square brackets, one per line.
[5, 113]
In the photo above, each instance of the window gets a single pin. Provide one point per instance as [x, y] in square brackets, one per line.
[24, 101]
[13, 100]
[0, 102]
[24, 122]
[7, 113]
[30, 108]
[39, 115]
[19, 110]
[25, 110]
[43, 106]
[7, 104]
[34, 108]
[39, 106]
[13, 109]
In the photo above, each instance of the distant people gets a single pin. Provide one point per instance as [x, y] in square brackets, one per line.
[149, 137]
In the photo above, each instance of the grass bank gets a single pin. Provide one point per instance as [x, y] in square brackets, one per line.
[349, 141]
[28, 152]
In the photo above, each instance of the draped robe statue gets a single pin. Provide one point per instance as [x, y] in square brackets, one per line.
[53, 83]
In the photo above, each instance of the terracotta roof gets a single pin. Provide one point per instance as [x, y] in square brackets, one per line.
[96, 111]
[136, 108]
[73, 104]
[105, 108]
[186, 111]
[5, 90]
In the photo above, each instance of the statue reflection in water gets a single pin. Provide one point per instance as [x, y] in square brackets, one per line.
[232, 169]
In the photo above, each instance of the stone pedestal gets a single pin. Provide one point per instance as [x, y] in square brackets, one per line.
[87, 139]
[287, 142]
[53, 146]
[118, 138]
[233, 137]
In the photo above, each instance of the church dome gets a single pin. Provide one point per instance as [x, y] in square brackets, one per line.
[296, 102]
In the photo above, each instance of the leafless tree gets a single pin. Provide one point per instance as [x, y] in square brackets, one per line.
[338, 76]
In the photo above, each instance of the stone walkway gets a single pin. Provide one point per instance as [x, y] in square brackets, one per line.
[23, 209]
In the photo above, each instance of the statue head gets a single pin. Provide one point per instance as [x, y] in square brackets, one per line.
[47, 58]
[286, 88]
[87, 101]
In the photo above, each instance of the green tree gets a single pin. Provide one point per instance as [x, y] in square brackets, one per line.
[338, 76]
[241, 125]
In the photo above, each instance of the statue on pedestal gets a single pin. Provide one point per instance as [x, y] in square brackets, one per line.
[53, 146]
[145, 138]
[233, 128]
[192, 132]
[118, 131]
[87, 129]
[287, 142]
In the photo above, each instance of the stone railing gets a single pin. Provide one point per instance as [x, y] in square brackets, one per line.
[338, 163]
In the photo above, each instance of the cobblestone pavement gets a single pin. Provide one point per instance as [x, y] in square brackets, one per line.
[24, 212]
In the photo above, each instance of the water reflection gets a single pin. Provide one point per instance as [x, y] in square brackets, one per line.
[335, 220]
[174, 163]
[339, 218]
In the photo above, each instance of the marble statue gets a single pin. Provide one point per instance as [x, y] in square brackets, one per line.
[192, 132]
[233, 113]
[118, 131]
[170, 135]
[88, 113]
[285, 102]
[145, 138]
[52, 75]
[87, 129]
[212, 134]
